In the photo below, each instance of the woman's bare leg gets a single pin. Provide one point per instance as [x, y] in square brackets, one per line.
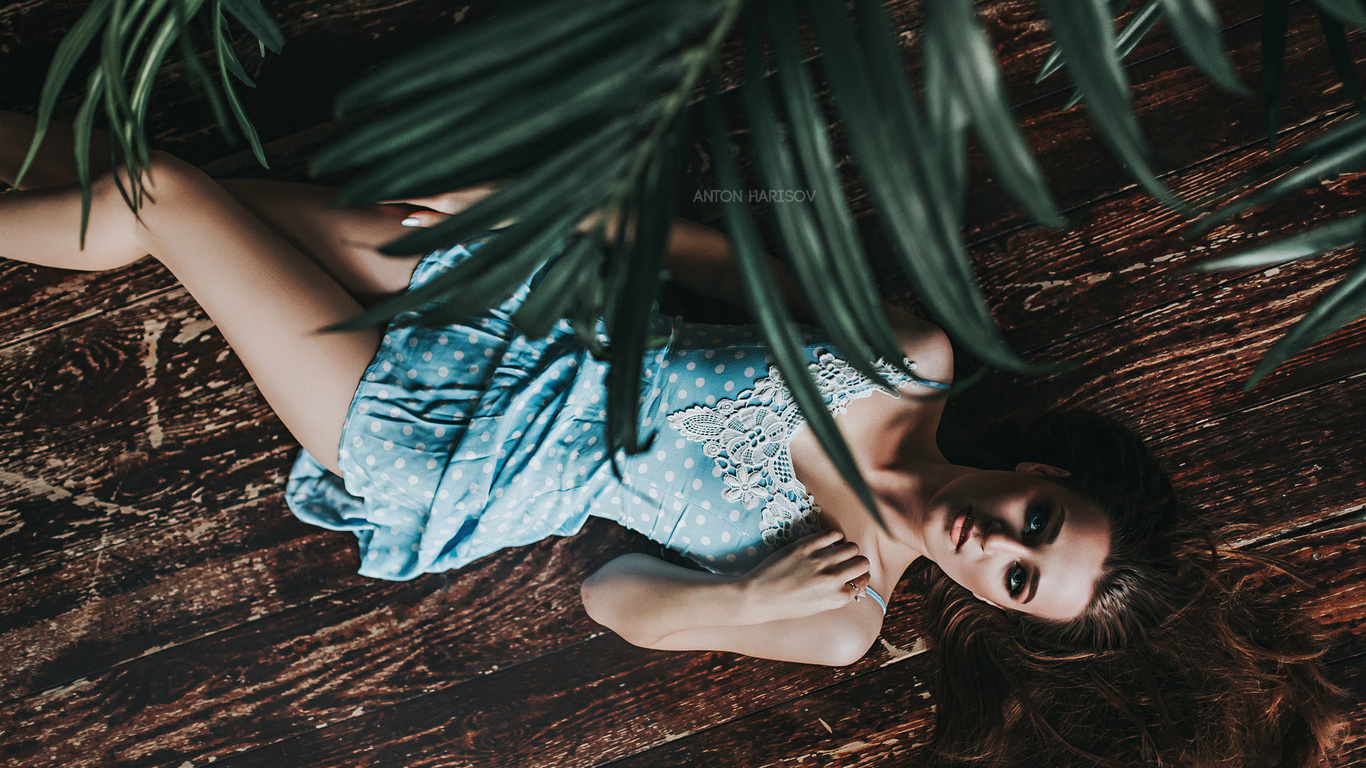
[343, 241]
[268, 298]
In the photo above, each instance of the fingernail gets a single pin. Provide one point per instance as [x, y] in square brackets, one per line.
[411, 221]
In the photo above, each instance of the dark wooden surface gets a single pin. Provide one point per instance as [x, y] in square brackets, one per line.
[161, 608]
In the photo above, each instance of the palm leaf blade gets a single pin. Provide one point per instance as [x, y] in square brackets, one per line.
[1315, 241]
[475, 50]
[973, 69]
[773, 317]
[795, 224]
[1342, 305]
[1335, 37]
[1196, 26]
[257, 21]
[1082, 29]
[1275, 28]
[913, 208]
[812, 143]
[601, 155]
[69, 52]
[1348, 11]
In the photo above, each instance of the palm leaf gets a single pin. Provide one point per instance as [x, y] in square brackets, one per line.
[1349, 11]
[947, 121]
[475, 50]
[636, 288]
[796, 224]
[915, 207]
[1053, 63]
[1275, 26]
[1196, 26]
[502, 263]
[561, 175]
[840, 235]
[1342, 305]
[69, 52]
[444, 109]
[1082, 30]
[257, 21]
[1330, 163]
[618, 82]
[1335, 37]
[419, 164]
[563, 284]
[767, 305]
[977, 82]
[135, 37]
[1323, 238]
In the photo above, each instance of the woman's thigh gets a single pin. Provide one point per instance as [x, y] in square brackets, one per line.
[343, 241]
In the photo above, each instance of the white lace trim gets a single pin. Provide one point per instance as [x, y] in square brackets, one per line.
[748, 437]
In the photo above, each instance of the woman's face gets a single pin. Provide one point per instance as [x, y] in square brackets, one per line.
[1019, 541]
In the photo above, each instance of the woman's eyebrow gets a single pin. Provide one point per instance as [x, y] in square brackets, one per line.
[1057, 528]
[1052, 537]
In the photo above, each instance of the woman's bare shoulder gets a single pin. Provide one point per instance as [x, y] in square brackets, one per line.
[923, 343]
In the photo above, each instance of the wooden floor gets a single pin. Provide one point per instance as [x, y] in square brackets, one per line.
[160, 607]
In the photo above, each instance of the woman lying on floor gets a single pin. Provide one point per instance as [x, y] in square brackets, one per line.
[1074, 611]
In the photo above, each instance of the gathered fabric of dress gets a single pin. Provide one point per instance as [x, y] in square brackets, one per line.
[465, 439]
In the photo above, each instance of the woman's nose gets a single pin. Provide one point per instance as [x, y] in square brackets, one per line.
[998, 541]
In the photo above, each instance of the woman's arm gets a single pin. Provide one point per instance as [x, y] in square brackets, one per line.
[700, 260]
[795, 606]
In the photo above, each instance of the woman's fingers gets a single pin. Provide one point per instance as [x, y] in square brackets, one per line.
[817, 541]
[854, 567]
[423, 218]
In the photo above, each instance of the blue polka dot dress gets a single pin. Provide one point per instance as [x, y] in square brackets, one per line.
[465, 439]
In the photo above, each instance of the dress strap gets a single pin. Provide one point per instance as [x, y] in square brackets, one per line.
[876, 597]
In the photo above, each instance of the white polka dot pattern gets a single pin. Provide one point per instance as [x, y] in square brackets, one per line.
[469, 438]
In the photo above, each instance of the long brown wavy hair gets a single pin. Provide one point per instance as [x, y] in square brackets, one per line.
[1189, 654]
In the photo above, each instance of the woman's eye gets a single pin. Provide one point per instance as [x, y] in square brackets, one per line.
[1015, 580]
[1037, 519]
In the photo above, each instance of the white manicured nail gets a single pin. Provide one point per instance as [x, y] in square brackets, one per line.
[411, 221]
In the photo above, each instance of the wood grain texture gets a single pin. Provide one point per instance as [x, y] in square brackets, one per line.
[161, 608]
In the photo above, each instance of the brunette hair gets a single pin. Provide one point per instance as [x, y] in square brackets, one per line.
[1188, 654]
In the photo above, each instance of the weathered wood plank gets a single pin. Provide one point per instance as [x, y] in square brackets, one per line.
[255, 592]
[62, 534]
[386, 644]
[387, 656]
[859, 724]
[1187, 361]
[881, 713]
[1135, 257]
[116, 424]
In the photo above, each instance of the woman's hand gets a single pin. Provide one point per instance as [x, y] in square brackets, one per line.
[431, 210]
[814, 574]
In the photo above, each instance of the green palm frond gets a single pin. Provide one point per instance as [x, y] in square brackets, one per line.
[766, 302]
[1349, 11]
[586, 106]
[1195, 25]
[974, 80]
[1085, 37]
[1342, 305]
[134, 38]
[582, 103]
[1341, 150]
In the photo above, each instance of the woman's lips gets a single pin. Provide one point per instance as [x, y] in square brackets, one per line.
[962, 528]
